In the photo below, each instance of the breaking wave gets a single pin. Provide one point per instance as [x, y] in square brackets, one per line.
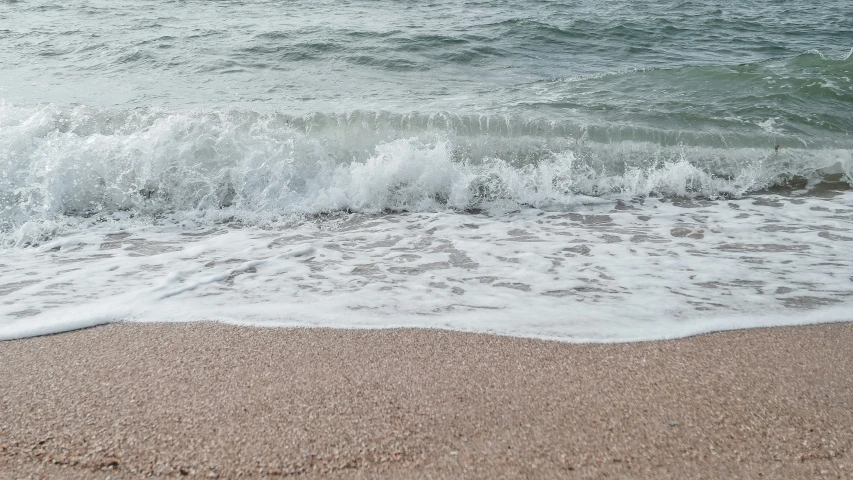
[63, 166]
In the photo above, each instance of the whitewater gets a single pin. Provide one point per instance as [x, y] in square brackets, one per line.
[563, 171]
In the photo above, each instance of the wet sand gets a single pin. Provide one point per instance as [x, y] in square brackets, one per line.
[208, 400]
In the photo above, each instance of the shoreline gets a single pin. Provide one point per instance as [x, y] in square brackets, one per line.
[213, 400]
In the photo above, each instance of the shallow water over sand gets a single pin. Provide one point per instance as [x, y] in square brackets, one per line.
[617, 271]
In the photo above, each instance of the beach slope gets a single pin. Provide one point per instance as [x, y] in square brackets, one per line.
[210, 400]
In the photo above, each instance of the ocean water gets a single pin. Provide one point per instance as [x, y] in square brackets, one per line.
[575, 170]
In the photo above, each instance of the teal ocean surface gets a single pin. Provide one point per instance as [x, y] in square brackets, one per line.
[570, 170]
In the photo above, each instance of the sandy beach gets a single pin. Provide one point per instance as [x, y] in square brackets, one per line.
[217, 401]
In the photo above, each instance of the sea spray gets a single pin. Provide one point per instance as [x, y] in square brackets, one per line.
[81, 165]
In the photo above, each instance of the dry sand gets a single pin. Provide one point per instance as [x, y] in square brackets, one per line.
[210, 400]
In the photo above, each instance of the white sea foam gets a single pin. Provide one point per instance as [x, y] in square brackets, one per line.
[65, 169]
[288, 163]
[611, 272]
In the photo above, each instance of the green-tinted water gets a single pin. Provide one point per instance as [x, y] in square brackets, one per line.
[744, 94]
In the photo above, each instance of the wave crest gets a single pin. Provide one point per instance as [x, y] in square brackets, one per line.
[66, 165]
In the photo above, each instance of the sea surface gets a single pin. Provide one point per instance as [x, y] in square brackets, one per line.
[575, 170]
